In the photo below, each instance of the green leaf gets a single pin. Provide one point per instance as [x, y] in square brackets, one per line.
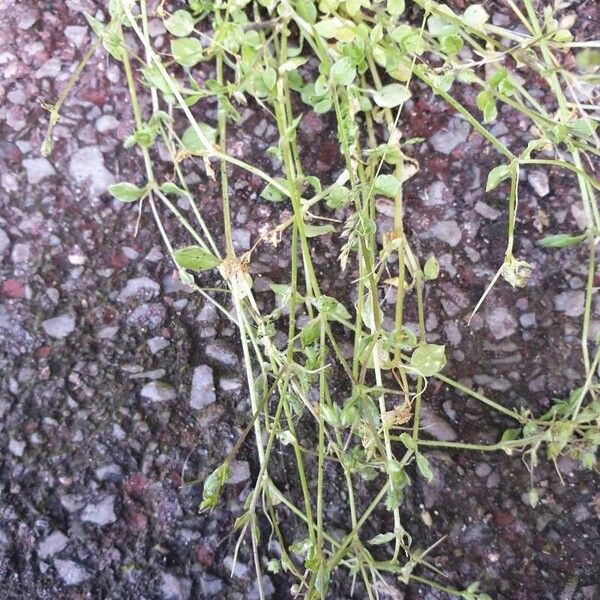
[343, 71]
[212, 487]
[382, 538]
[475, 16]
[388, 185]
[439, 27]
[431, 268]
[126, 192]
[588, 59]
[483, 98]
[154, 78]
[272, 194]
[196, 258]
[584, 127]
[395, 7]
[423, 466]
[274, 566]
[96, 26]
[180, 23]
[497, 176]
[451, 44]
[428, 359]
[391, 95]
[490, 112]
[291, 64]
[310, 332]
[331, 308]
[408, 441]
[187, 51]
[337, 28]
[338, 197]
[170, 188]
[317, 230]
[192, 142]
[562, 240]
[510, 434]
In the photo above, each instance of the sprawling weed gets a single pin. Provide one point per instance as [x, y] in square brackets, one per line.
[359, 60]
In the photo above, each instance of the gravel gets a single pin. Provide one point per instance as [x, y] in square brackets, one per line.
[435, 426]
[501, 321]
[59, 327]
[52, 545]
[70, 572]
[87, 167]
[139, 288]
[570, 302]
[100, 513]
[38, 169]
[203, 388]
[538, 180]
[221, 353]
[158, 391]
[450, 137]
[4, 242]
[448, 232]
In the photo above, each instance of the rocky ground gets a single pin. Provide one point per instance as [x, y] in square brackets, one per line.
[118, 387]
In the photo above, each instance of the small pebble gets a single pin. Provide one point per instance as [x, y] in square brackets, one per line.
[100, 513]
[52, 545]
[70, 572]
[59, 327]
[158, 391]
[203, 388]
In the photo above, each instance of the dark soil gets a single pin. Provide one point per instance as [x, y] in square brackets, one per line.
[98, 437]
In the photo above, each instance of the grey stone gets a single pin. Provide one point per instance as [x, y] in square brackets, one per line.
[100, 513]
[87, 167]
[156, 344]
[570, 302]
[236, 568]
[485, 210]
[76, 34]
[203, 387]
[538, 180]
[142, 288]
[437, 193]
[70, 572]
[158, 391]
[239, 472]
[267, 586]
[106, 123]
[4, 242]
[59, 327]
[175, 588]
[21, 253]
[436, 426]
[52, 545]
[221, 354]
[450, 137]
[148, 315]
[500, 322]
[38, 169]
[112, 472]
[447, 231]
[16, 447]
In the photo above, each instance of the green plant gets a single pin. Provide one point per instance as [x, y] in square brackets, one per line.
[356, 59]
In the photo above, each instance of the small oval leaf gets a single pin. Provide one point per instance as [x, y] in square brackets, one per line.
[126, 192]
[196, 258]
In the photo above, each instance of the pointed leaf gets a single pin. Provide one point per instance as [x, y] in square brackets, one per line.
[126, 192]
[196, 258]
